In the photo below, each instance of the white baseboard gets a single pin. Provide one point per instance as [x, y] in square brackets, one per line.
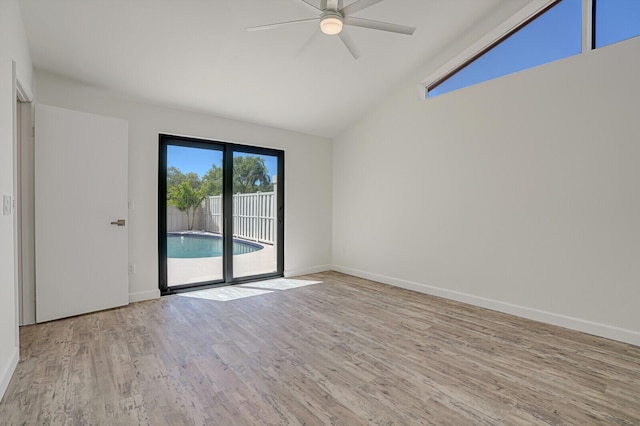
[304, 271]
[144, 295]
[8, 372]
[578, 324]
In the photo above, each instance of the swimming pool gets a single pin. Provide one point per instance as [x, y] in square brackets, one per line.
[186, 246]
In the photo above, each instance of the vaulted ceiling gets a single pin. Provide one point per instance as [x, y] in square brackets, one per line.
[196, 54]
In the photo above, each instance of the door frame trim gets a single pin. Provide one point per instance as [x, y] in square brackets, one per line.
[24, 257]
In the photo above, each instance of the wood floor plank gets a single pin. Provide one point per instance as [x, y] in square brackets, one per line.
[344, 351]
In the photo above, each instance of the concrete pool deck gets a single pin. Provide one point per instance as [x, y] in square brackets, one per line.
[189, 271]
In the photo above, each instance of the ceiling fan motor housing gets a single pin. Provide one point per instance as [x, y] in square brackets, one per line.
[331, 22]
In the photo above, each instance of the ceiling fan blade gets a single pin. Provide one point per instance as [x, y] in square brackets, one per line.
[279, 24]
[349, 44]
[357, 6]
[311, 39]
[378, 25]
[323, 5]
[308, 3]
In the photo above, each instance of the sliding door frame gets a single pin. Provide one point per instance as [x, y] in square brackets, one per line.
[227, 149]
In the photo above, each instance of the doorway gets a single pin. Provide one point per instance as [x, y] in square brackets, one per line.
[23, 204]
[220, 213]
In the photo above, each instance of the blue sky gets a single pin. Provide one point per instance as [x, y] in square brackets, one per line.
[554, 35]
[616, 20]
[200, 160]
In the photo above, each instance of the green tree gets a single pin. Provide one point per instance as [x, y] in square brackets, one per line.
[175, 177]
[187, 199]
[213, 180]
[186, 191]
[250, 175]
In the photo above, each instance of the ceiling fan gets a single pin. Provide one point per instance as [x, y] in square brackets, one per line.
[334, 16]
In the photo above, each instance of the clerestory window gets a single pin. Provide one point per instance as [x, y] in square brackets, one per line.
[544, 31]
[615, 20]
[553, 34]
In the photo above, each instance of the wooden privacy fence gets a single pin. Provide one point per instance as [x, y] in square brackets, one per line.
[253, 216]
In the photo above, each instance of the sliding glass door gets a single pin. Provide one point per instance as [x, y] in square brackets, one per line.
[220, 213]
[254, 210]
[194, 218]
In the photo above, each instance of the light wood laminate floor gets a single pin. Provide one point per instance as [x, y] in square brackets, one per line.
[346, 351]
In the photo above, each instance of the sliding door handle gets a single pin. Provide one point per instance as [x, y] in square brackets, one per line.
[119, 222]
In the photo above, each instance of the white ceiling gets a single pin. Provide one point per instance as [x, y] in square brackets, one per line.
[196, 55]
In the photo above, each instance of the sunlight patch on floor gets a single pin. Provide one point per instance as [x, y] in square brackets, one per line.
[224, 294]
[280, 284]
[233, 292]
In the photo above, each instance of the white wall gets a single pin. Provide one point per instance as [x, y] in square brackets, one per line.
[519, 194]
[307, 174]
[13, 50]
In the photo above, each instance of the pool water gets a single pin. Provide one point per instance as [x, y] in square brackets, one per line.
[195, 246]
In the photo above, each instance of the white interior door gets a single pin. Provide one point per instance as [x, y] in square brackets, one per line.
[80, 188]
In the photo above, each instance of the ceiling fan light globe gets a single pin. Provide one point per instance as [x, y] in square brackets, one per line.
[331, 25]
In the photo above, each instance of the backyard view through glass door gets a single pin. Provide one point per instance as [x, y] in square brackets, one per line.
[255, 187]
[194, 215]
[220, 213]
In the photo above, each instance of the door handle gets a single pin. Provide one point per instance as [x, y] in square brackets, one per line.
[280, 216]
[119, 222]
